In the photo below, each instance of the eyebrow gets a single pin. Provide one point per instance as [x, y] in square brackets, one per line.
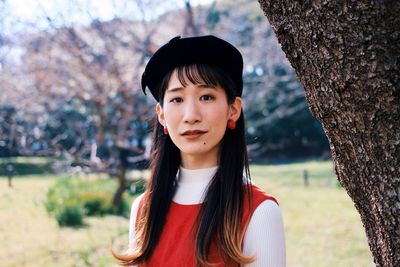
[176, 89]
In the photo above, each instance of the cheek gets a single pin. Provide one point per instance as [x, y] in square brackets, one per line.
[170, 116]
[219, 119]
[220, 114]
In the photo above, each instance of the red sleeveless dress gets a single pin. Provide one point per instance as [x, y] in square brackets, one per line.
[176, 246]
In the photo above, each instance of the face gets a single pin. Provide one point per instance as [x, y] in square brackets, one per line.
[196, 116]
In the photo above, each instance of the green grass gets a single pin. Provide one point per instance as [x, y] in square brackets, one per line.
[320, 173]
[30, 237]
[321, 224]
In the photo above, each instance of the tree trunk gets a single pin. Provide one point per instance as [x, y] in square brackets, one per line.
[347, 56]
[122, 183]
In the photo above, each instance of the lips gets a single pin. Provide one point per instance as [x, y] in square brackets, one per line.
[193, 133]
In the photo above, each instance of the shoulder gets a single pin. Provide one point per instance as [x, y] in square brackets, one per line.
[267, 217]
[265, 207]
[135, 209]
[259, 195]
[265, 236]
[132, 220]
[267, 211]
[136, 205]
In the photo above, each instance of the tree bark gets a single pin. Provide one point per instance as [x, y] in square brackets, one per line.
[347, 56]
[122, 184]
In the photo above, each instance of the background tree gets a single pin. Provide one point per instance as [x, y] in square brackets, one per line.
[74, 84]
[89, 74]
[347, 56]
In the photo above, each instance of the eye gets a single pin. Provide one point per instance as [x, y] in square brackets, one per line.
[207, 97]
[176, 100]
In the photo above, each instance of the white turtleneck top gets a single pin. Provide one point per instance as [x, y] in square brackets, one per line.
[264, 236]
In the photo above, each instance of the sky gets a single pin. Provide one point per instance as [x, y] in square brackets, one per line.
[27, 9]
[82, 11]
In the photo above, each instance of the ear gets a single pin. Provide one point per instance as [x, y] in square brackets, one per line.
[235, 109]
[160, 114]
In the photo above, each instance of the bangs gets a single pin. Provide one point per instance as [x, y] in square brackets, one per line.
[198, 74]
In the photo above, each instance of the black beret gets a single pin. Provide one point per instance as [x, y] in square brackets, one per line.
[183, 51]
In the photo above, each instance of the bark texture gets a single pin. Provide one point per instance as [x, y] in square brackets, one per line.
[347, 56]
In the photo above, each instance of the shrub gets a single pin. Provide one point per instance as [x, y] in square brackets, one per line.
[96, 203]
[70, 215]
[59, 194]
[124, 209]
[72, 198]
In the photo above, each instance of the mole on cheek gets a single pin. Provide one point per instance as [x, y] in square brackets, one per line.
[204, 142]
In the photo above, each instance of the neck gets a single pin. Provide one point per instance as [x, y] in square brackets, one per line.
[191, 162]
[193, 184]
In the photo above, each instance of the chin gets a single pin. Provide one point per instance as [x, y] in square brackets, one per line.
[195, 149]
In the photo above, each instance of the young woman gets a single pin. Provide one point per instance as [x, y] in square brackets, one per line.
[200, 207]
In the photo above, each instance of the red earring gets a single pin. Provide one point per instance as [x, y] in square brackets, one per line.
[231, 124]
[165, 130]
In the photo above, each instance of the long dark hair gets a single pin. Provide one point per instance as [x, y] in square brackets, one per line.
[220, 215]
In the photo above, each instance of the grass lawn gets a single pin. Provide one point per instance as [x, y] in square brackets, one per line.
[321, 223]
[29, 237]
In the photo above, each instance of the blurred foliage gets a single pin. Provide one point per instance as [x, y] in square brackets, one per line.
[72, 197]
[26, 166]
[96, 203]
[70, 215]
[137, 187]
[8, 145]
[279, 124]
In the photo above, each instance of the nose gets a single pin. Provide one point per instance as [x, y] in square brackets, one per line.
[192, 112]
